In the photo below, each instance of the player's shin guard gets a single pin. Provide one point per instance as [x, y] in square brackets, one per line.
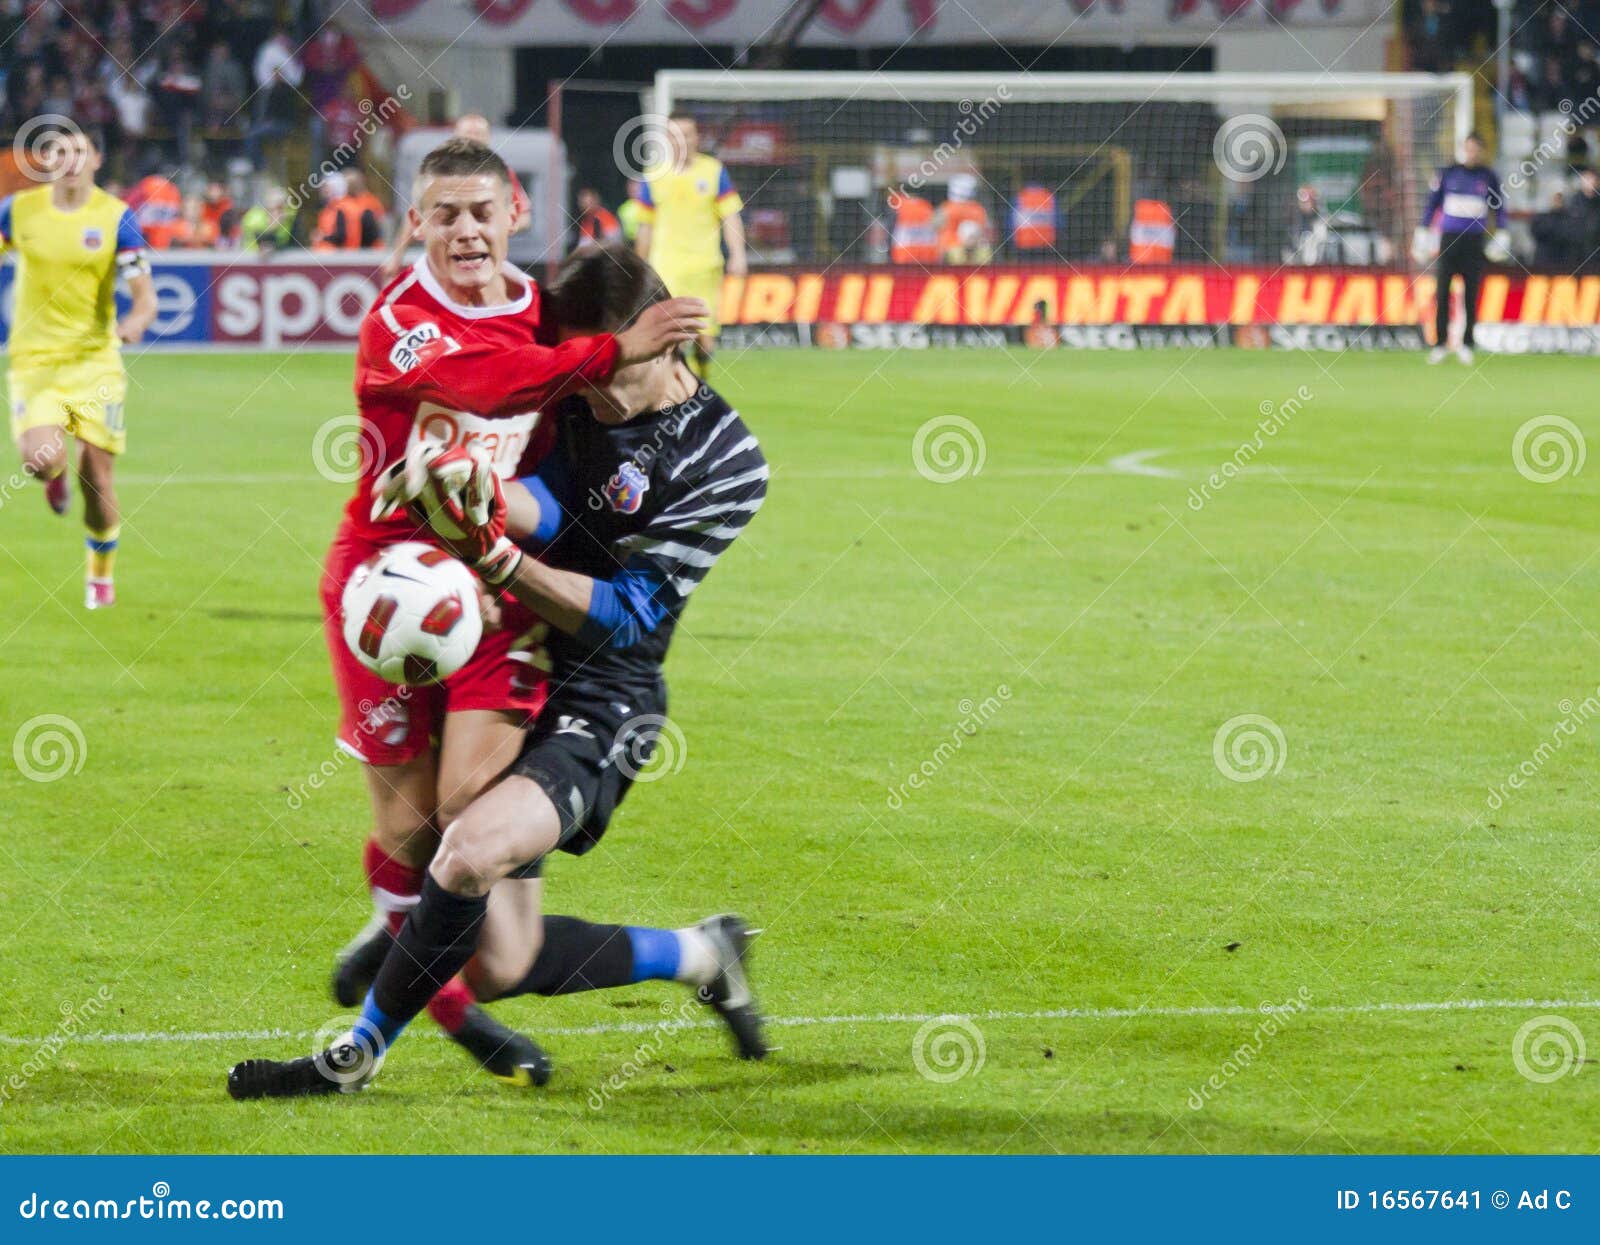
[433, 945]
[394, 884]
[579, 955]
[576, 956]
[101, 544]
[395, 887]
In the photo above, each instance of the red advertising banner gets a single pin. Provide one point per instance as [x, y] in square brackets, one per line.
[1000, 295]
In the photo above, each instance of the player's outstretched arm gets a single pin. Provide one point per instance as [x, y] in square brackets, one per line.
[661, 326]
[413, 356]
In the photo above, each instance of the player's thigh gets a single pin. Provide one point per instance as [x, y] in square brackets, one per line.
[404, 797]
[509, 826]
[476, 745]
[43, 448]
[513, 932]
[38, 419]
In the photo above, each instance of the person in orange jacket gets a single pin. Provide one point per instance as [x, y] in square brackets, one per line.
[346, 222]
[963, 222]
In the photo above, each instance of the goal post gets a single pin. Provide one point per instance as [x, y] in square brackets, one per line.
[1227, 168]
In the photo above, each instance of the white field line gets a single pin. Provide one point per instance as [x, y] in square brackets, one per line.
[887, 1018]
[1118, 467]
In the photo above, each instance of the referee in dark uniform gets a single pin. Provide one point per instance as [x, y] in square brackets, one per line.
[1463, 198]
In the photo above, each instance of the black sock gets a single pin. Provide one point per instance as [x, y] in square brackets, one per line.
[433, 945]
[578, 955]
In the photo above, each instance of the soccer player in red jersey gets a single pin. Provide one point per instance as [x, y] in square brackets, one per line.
[448, 353]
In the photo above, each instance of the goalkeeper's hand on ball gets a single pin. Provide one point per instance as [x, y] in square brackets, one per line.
[457, 494]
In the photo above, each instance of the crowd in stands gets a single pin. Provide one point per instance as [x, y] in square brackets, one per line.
[1551, 98]
[204, 109]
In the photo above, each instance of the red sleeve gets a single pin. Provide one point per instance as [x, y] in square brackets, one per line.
[404, 351]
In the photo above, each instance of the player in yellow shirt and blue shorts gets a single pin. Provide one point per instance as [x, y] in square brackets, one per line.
[688, 210]
[72, 241]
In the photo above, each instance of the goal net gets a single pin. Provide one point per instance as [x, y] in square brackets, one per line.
[1115, 168]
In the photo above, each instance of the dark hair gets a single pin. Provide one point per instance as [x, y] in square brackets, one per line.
[462, 157]
[603, 289]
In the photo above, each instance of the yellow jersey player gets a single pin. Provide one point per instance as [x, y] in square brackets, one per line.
[688, 210]
[72, 241]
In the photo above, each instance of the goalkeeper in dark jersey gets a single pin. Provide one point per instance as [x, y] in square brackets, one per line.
[648, 487]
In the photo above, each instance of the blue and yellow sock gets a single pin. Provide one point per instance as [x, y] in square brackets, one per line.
[102, 546]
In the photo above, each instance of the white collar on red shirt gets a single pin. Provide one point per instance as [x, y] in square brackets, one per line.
[511, 272]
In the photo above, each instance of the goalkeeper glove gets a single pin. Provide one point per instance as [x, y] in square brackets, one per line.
[461, 500]
[1498, 250]
[1424, 244]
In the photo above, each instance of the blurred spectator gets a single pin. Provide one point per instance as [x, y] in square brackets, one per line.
[1309, 232]
[963, 223]
[192, 229]
[267, 227]
[1551, 247]
[1583, 223]
[223, 89]
[58, 98]
[329, 59]
[1547, 93]
[1433, 38]
[277, 100]
[367, 203]
[336, 132]
[132, 104]
[157, 206]
[221, 217]
[348, 220]
[596, 225]
[628, 211]
[177, 99]
[276, 67]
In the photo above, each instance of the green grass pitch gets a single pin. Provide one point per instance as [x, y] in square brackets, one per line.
[1051, 646]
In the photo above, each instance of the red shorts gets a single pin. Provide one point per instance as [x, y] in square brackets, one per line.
[385, 724]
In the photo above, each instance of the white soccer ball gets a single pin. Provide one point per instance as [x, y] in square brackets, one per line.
[411, 614]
